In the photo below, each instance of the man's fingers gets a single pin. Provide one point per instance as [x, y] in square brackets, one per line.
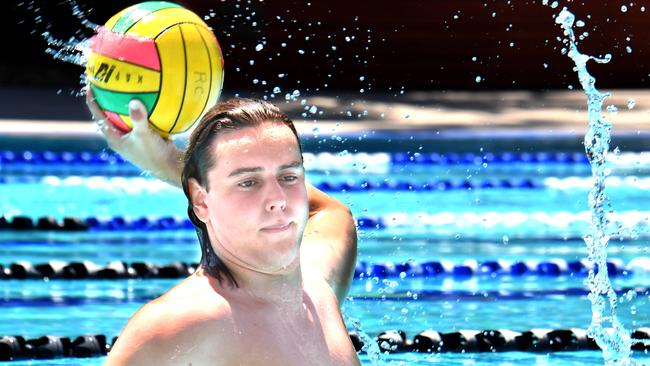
[112, 134]
[97, 113]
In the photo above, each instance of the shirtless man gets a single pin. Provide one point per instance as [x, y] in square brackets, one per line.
[259, 296]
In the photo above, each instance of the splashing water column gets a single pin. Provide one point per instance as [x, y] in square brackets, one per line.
[610, 335]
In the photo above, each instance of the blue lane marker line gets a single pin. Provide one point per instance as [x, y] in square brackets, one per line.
[421, 295]
[363, 270]
[396, 158]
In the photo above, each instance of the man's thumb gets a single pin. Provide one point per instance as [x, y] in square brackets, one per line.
[138, 114]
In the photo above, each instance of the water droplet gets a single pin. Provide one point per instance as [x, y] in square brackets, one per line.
[313, 109]
[623, 8]
[478, 79]
[612, 109]
[276, 90]
[259, 47]
[302, 52]
[474, 58]
[362, 78]
[554, 4]
[628, 49]
[631, 103]
[505, 239]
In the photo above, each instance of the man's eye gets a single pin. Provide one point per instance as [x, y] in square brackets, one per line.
[247, 184]
[289, 178]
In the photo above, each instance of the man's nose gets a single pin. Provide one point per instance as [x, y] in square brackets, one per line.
[276, 199]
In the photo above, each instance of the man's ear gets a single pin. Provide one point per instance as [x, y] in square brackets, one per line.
[198, 197]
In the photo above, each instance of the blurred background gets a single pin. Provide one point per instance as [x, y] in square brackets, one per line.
[369, 49]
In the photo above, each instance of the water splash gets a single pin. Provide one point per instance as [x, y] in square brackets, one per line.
[606, 329]
[370, 346]
[71, 50]
[82, 16]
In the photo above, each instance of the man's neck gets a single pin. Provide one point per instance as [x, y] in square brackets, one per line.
[282, 289]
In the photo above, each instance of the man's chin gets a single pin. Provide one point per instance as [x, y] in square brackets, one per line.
[287, 263]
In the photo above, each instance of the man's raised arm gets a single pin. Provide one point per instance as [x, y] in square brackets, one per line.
[142, 146]
[329, 243]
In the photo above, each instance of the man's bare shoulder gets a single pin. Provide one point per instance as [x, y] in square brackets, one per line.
[171, 328]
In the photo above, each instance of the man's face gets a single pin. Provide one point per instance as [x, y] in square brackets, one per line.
[256, 198]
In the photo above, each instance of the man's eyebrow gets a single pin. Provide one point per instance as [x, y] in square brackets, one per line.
[295, 164]
[244, 170]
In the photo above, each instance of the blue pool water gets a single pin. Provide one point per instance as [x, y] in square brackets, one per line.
[513, 210]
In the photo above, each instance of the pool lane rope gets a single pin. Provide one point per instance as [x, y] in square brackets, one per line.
[394, 297]
[138, 185]
[325, 158]
[23, 270]
[391, 341]
[565, 223]
[341, 161]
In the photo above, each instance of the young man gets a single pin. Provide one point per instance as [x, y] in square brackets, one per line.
[260, 297]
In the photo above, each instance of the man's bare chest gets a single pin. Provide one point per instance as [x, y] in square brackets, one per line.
[262, 339]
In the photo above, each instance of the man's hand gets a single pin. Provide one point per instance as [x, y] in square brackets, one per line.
[142, 146]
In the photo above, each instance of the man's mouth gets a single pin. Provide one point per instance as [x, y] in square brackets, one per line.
[277, 228]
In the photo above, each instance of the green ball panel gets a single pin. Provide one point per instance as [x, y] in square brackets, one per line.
[119, 102]
[139, 11]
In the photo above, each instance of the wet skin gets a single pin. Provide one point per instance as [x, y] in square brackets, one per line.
[255, 208]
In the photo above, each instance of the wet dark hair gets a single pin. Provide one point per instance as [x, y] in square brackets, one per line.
[232, 114]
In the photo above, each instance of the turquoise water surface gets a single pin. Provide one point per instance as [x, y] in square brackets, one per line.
[484, 226]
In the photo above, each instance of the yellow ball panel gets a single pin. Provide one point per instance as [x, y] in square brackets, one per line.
[123, 77]
[172, 89]
[151, 25]
[197, 85]
[216, 66]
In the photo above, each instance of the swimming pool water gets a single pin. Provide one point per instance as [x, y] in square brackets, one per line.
[483, 227]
